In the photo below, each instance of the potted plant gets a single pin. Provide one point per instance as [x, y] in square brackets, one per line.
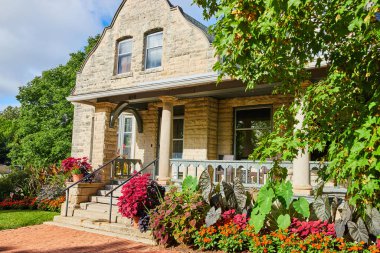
[139, 195]
[77, 167]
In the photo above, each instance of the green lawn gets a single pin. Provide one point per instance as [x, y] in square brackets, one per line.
[10, 219]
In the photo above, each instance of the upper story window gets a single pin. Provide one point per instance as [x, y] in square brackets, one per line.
[153, 54]
[124, 56]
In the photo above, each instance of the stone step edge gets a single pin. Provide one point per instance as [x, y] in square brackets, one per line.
[102, 232]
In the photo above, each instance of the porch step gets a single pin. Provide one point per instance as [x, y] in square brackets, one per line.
[116, 193]
[105, 228]
[104, 200]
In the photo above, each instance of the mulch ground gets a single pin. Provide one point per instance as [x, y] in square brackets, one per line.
[47, 238]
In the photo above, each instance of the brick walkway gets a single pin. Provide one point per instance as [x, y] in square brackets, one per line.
[46, 238]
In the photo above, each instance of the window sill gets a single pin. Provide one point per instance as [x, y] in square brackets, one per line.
[123, 75]
[154, 70]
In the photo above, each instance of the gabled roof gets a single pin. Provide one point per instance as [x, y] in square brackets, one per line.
[192, 20]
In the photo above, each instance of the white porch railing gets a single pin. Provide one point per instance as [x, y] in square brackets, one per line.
[251, 173]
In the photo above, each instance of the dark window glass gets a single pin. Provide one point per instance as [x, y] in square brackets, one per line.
[251, 126]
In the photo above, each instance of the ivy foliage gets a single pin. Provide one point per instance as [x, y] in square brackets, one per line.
[44, 126]
[275, 41]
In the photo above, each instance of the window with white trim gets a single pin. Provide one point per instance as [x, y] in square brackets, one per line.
[126, 135]
[124, 58]
[153, 53]
[178, 122]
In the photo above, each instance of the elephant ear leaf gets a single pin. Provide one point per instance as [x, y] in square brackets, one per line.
[283, 221]
[322, 208]
[358, 231]
[240, 194]
[302, 207]
[340, 227]
[284, 191]
[373, 221]
[265, 200]
[213, 216]
[205, 185]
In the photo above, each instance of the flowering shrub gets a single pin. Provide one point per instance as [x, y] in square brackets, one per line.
[178, 217]
[76, 165]
[230, 239]
[284, 242]
[207, 238]
[53, 205]
[26, 203]
[139, 195]
[306, 228]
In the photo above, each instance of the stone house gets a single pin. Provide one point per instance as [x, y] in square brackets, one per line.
[148, 90]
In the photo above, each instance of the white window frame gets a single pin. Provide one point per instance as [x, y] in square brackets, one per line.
[179, 139]
[121, 132]
[125, 54]
[146, 49]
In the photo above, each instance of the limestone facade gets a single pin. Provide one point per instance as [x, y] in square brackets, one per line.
[186, 47]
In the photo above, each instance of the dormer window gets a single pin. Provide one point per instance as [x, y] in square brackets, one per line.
[153, 54]
[124, 56]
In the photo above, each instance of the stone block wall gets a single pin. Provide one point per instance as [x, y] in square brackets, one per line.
[82, 130]
[146, 142]
[186, 48]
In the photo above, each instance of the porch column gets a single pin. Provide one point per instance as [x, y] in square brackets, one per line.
[301, 171]
[166, 138]
[105, 138]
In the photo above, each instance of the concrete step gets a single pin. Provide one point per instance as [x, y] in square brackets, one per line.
[99, 215]
[104, 200]
[105, 228]
[116, 193]
[99, 207]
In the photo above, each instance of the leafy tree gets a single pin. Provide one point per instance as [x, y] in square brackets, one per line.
[8, 118]
[44, 128]
[270, 41]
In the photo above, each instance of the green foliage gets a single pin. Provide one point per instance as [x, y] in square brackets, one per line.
[178, 217]
[275, 206]
[190, 184]
[44, 126]
[8, 119]
[18, 182]
[273, 42]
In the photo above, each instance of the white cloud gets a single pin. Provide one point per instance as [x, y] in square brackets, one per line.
[39, 34]
[36, 35]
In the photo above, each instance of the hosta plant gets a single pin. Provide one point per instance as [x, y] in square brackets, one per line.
[178, 217]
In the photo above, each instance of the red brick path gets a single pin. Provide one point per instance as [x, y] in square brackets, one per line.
[46, 238]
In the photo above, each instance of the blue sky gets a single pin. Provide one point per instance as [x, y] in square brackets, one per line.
[44, 33]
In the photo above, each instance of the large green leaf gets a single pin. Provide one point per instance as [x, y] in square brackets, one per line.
[302, 207]
[257, 221]
[265, 200]
[322, 208]
[284, 191]
[283, 221]
[206, 186]
[358, 231]
[190, 184]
